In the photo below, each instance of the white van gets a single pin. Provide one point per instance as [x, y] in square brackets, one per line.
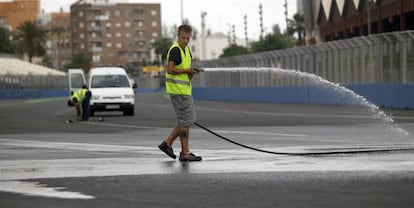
[112, 89]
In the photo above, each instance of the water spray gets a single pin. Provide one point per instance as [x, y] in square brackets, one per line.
[379, 114]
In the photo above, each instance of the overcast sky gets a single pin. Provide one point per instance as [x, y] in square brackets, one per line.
[220, 13]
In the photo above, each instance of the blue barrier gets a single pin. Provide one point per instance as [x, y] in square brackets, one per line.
[383, 95]
[48, 93]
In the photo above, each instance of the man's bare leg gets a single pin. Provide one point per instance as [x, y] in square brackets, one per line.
[184, 138]
[173, 135]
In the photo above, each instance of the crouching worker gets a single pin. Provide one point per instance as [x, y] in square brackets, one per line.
[80, 98]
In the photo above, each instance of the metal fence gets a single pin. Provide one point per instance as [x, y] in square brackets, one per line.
[13, 82]
[20, 82]
[382, 58]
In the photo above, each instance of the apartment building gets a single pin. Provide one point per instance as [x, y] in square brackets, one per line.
[59, 41]
[13, 13]
[115, 34]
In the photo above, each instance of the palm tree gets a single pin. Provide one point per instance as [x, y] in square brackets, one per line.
[31, 39]
[58, 31]
[297, 25]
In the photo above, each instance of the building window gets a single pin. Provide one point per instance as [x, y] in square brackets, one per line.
[82, 46]
[119, 45]
[108, 35]
[81, 24]
[140, 24]
[117, 13]
[118, 24]
[96, 58]
[139, 11]
[153, 13]
[80, 14]
[118, 34]
[127, 24]
[81, 36]
[109, 45]
[127, 34]
[108, 24]
[154, 34]
[154, 23]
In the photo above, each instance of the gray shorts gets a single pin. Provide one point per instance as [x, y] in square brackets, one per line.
[184, 109]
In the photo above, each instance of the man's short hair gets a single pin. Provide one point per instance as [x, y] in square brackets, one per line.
[185, 29]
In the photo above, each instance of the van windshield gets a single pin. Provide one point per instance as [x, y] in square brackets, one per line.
[101, 81]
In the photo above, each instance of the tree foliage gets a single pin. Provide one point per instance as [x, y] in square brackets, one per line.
[31, 39]
[234, 50]
[161, 47]
[297, 25]
[6, 45]
[80, 61]
[275, 41]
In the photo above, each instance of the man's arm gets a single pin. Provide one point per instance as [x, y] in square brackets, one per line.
[172, 70]
[78, 112]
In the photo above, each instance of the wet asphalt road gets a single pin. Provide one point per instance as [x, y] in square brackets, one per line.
[45, 162]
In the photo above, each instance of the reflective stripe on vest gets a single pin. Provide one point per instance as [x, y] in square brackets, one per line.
[179, 84]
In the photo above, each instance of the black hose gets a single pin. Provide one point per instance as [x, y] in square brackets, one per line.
[300, 154]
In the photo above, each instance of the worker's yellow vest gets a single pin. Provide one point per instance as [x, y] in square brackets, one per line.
[79, 95]
[179, 84]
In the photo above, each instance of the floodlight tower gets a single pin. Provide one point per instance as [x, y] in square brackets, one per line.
[245, 30]
[203, 35]
[286, 14]
[261, 21]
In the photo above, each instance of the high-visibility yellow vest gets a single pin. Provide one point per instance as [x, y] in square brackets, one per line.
[179, 84]
[79, 95]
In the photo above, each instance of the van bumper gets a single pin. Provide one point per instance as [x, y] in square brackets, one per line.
[112, 107]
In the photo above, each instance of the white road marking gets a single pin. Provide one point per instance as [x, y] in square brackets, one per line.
[37, 189]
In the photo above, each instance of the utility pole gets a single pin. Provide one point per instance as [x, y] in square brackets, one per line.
[229, 34]
[182, 12]
[234, 34]
[203, 36]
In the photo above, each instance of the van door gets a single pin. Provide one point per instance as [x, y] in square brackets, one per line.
[76, 80]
